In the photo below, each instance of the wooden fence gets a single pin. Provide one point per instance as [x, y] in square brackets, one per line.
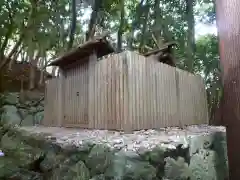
[126, 91]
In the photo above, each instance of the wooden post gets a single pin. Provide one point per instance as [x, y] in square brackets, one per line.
[61, 93]
[127, 68]
[178, 113]
[228, 16]
[91, 89]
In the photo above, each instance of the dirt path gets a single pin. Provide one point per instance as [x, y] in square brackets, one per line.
[168, 137]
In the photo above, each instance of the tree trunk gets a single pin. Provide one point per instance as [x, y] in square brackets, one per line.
[158, 28]
[7, 59]
[33, 68]
[120, 30]
[228, 18]
[73, 25]
[6, 40]
[14, 58]
[42, 63]
[144, 28]
[190, 34]
[93, 20]
[139, 11]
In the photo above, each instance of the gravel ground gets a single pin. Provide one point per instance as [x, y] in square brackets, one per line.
[169, 137]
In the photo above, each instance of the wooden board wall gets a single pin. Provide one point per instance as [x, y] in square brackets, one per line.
[152, 93]
[107, 94]
[127, 91]
[76, 96]
[192, 98]
[51, 101]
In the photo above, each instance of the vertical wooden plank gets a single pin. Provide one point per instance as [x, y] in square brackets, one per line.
[130, 89]
[117, 94]
[98, 95]
[87, 92]
[76, 119]
[121, 91]
[105, 106]
[136, 91]
[158, 112]
[134, 72]
[110, 86]
[148, 95]
[60, 98]
[107, 64]
[91, 89]
[80, 82]
[70, 98]
[82, 85]
[140, 95]
[144, 95]
[74, 98]
[67, 99]
[178, 114]
[101, 107]
[78, 94]
[101, 94]
[145, 91]
[127, 92]
[113, 93]
[155, 97]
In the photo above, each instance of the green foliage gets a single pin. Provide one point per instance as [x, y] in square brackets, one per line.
[207, 64]
[206, 11]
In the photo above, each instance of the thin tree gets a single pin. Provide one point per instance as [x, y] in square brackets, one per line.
[73, 25]
[93, 19]
[190, 34]
[120, 30]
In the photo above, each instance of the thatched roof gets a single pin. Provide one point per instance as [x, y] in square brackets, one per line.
[163, 48]
[164, 54]
[100, 45]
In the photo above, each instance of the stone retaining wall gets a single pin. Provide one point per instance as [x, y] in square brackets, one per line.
[26, 113]
[40, 153]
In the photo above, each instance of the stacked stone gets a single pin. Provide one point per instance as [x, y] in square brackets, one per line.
[196, 153]
[26, 113]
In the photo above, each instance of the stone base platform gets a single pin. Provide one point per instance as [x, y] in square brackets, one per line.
[48, 153]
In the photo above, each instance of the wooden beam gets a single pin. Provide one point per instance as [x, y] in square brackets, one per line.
[91, 88]
[61, 94]
[163, 48]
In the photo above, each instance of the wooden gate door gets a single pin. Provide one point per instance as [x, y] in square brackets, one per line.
[76, 97]
[51, 102]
